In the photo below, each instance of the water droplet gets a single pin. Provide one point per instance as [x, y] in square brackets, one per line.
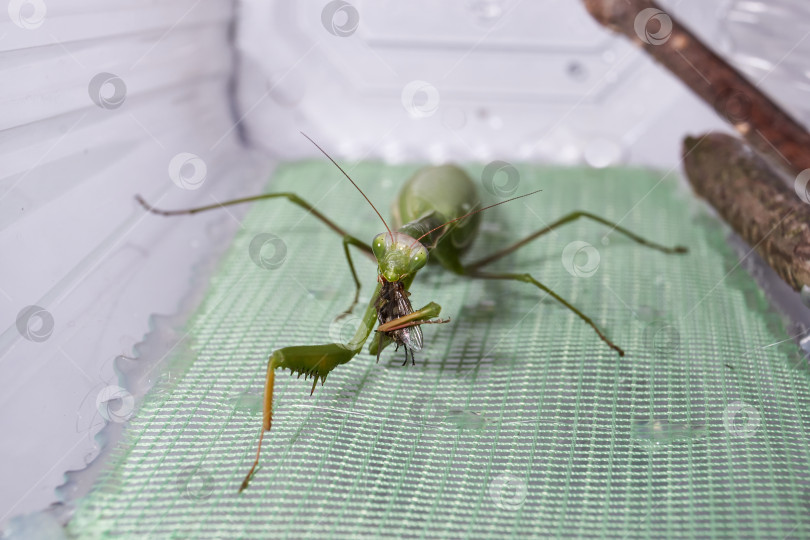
[602, 152]
[248, 402]
[322, 295]
[464, 419]
[653, 433]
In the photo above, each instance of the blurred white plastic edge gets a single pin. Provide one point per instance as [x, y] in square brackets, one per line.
[438, 81]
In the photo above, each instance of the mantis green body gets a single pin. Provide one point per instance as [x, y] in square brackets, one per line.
[399, 257]
[436, 218]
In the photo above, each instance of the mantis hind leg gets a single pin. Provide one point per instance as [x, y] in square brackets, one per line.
[527, 278]
[573, 216]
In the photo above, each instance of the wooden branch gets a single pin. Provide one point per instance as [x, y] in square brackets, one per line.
[768, 128]
[753, 198]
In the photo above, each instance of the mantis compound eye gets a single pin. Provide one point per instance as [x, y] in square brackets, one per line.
[378, 245]
[418, 259]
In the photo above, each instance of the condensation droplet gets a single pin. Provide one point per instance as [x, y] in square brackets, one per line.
[601, 152]
[658, 432]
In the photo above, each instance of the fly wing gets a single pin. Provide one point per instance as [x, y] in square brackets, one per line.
[413, 339]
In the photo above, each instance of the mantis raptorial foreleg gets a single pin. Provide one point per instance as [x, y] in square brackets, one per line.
[419, 317]
[317, 361]
[348, 239]
[314, 361]
[573, 216]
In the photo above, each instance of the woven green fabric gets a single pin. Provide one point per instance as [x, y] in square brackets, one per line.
[516, 420]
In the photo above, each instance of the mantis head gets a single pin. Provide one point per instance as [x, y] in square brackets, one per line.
[398, 255]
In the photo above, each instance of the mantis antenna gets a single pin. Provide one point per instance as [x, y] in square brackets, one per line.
[350, 180]
[475, 212]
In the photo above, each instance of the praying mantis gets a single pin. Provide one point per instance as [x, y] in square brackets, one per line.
[436, 216]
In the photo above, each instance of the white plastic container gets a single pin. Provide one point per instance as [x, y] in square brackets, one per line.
[193, 101]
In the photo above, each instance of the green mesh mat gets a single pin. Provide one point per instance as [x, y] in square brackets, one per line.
[516, 420]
